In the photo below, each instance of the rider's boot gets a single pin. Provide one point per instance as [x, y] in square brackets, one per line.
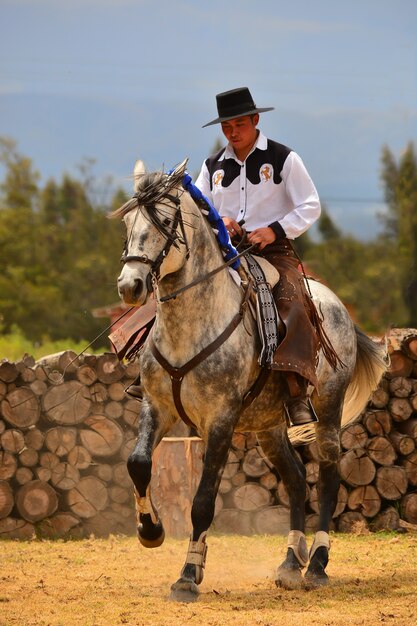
[298, 407]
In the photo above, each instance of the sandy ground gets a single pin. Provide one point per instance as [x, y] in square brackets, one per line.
[99, 582]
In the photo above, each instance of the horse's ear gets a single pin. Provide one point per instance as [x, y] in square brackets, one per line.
[180, 168]
[138, 171]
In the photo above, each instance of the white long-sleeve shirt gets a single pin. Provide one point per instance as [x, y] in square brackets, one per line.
[271, 185]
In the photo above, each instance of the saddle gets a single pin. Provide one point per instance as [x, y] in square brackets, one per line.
[271, 274]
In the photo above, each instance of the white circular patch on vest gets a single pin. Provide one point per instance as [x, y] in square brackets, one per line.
[266, 172]
[217, 178]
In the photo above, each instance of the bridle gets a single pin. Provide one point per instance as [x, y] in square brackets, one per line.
[171, 240]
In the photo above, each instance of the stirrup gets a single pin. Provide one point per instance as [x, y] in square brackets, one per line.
[134, 391]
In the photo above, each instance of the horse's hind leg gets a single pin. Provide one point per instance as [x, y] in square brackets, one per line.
[279, 451]
[202, 512]
[139, 464]
[328, 487]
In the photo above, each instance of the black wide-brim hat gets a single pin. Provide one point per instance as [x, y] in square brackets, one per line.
[235, 103]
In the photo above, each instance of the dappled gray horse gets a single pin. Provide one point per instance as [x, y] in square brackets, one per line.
[201, 360]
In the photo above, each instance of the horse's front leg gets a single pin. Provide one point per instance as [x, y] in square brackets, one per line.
[202, 511]
[328, 488]
[279, 451]
[139, 464]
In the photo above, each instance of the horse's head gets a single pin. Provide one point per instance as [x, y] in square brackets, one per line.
[156, 243]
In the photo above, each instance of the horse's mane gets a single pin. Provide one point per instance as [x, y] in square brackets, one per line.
[150, 190]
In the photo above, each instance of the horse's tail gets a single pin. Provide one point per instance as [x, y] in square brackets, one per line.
[372, 361]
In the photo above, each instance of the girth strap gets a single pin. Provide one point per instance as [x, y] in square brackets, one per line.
[177, 373]
[256, 388]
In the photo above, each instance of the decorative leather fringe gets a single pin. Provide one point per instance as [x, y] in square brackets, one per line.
[329, 352]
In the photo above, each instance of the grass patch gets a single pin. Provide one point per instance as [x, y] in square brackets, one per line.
[14, 345]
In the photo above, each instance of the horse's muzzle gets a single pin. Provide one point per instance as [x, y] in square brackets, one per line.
[132, 291]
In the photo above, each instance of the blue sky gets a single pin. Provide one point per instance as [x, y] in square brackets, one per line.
[117, 80]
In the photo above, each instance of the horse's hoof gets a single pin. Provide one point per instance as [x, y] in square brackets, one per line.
[289, 578]
[314, 580]
[315, 575]
[184, 590]
[153, 540]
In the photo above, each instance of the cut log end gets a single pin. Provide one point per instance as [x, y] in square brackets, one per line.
[36, 500]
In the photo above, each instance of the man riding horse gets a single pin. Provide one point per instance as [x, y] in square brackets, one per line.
[265, 185]
[202, 359]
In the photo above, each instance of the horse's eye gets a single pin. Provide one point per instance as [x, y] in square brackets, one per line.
[166, 221]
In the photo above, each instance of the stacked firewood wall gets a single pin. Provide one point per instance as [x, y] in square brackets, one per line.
[67, 427]
[378, 464]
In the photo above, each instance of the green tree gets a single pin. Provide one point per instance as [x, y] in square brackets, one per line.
[302, 245]
[18, 241]
[20, 187]
[59, 254]
[84, 253]
[327, 228]
[400, 221]
[360, 274]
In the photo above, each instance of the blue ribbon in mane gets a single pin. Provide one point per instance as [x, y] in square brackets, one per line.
[214, 219]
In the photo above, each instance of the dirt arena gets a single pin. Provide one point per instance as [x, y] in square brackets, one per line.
[109, 582]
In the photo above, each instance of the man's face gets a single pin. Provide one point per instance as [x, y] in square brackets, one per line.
[241, 132]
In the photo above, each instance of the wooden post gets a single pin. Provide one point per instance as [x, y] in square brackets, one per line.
[177, 466]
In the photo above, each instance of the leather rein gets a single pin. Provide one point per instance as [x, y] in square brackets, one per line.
[177, 373]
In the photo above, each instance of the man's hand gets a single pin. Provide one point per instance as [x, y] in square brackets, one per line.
[262, 236]
[232, 227]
